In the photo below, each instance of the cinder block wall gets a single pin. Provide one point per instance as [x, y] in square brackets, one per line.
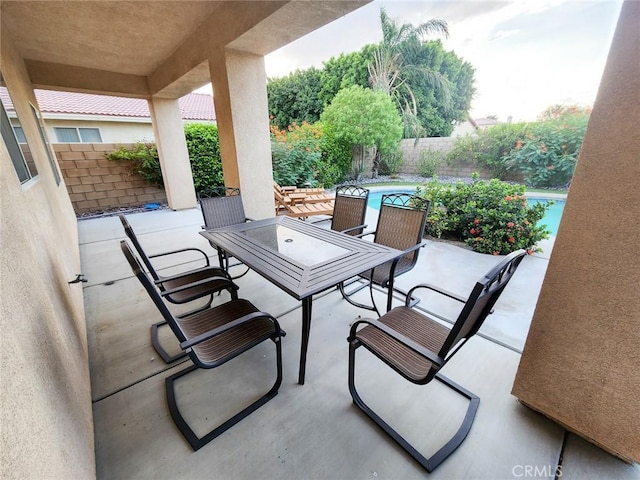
[95, 183]
[411, 152]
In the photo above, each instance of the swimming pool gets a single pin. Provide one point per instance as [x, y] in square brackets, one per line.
[551, 218]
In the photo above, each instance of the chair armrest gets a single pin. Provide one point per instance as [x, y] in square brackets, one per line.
[364, 234]
[437, 290]
[182, 251]
[353, 228]
[215, 270]
[399, 337]
[412, 248]
[188, 286]
[228, 326]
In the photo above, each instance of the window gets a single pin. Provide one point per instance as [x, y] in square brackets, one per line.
[76, 135]
[20, 134]
[22, 160]
[45, 140]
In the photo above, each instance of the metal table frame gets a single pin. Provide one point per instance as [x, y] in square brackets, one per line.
[300, 279]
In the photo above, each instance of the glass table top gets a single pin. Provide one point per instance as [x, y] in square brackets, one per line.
[298, 246]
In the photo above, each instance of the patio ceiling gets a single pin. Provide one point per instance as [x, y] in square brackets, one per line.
[144, 48]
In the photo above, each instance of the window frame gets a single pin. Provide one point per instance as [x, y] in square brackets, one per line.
[45, 140]
[20, 164]
[78, 131]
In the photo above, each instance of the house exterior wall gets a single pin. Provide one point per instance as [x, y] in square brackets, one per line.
[411, 152]
[110, 132]
[580, 362]
[95, 183]
[46, 415]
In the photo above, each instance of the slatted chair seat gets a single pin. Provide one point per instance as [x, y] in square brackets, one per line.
[414, 326]
[217, 350]
[417, 346]
[199, 290]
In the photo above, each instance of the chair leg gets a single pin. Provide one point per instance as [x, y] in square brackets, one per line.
[223, 260]
[347, 297]
[199, 442]
[429, 464]
[155, 342]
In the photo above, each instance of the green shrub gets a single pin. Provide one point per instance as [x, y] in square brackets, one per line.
[488, 148]
[429, 162]
[295, 154]
[204, 156]
[335, 160]
[142, 159]
[391, 162]
[547, 154]
[491, 217]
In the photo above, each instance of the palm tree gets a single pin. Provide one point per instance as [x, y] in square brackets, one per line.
[389, 71]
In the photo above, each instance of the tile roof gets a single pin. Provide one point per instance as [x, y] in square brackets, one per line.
[194, 106]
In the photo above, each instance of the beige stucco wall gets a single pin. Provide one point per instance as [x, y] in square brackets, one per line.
[580, 362]
[110, 132]
[46, 414]
[240, 86]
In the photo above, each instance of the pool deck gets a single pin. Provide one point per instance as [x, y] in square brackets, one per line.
[312, 431]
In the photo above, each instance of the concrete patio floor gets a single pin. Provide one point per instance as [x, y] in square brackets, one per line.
[314, 430]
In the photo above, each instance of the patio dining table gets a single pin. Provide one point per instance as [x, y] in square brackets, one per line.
[300, 258]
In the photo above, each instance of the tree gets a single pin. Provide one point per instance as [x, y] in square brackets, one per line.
[344, 71]
[295, 98]
[364, 118]
[436, 113]
[391, 67]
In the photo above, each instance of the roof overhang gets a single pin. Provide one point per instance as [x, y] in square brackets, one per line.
[146, 48]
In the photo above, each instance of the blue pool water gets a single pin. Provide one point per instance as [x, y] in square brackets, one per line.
[551, 218]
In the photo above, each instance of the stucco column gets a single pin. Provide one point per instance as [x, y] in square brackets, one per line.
[240, 94]
[580, 362]
[173, 153]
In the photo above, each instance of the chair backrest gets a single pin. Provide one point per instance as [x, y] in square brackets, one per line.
[221, 207]
[350, 208]
[132, 236]
[149, 286]
[401, 223]
[482, 299]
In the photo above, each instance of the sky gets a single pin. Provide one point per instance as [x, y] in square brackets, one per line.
[527, 54]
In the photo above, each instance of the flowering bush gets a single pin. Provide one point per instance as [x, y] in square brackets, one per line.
[295, 153]
[548, 152]
[491, 217]
[543, 153]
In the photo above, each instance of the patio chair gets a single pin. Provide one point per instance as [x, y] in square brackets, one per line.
[210, 338]
[400, 225]
[222, 207]
[300, 203]
[417, 346]
[350, 209]
[183, 287]
[293, 189]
